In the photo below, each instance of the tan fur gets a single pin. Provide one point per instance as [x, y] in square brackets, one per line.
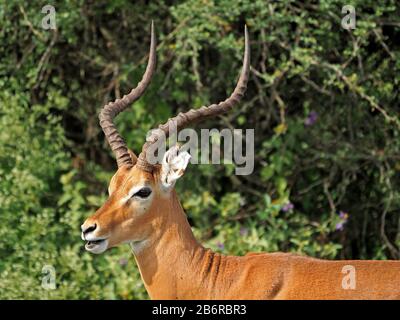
[173, 265]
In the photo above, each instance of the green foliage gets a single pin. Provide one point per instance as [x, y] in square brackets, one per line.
[323, 102]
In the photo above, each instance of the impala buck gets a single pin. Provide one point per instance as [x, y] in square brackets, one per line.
[143, 210]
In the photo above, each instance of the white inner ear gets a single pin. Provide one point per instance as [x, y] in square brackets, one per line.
[173, 166]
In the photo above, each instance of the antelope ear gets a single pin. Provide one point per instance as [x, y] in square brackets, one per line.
[173, 166]
[133, 156]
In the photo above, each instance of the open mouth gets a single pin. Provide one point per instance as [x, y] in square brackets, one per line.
[92, 244]
[97, 245]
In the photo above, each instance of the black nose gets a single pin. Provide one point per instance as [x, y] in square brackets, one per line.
[88, 229]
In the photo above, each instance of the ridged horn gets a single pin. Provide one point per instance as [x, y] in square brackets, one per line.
[192, 116]
[112, 109]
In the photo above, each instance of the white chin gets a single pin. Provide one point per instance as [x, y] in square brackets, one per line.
[97, 248]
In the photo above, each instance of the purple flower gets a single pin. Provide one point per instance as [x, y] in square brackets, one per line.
[311, 118]
[244, 231]
[220, 245]
[123, 262]
[287, 207]
[343, 215]
[340, 225]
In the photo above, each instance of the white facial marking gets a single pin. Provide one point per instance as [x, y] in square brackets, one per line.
[97, 248]
[132, 192]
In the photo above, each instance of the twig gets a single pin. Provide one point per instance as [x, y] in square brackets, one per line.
[393, 250]
[315, 86]
[44, 59]
[355, 89]
[329, 196]
[383, 44]
[30, 25]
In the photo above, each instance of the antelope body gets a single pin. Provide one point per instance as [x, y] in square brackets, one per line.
[144, 211]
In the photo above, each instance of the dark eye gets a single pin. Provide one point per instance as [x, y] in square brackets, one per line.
[143, 193]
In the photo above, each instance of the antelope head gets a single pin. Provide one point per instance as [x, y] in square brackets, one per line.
[140, 190]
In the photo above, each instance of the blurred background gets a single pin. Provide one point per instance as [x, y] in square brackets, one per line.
[324, 103]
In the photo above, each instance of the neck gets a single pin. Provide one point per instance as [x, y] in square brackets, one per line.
[169, 258]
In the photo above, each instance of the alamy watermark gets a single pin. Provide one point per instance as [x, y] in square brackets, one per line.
[349, 278]
[349, 20]
[206, 147]
[49, 20]
[49, 277]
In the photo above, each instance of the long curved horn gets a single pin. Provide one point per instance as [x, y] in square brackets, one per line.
[183, 120]
[112, 109]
